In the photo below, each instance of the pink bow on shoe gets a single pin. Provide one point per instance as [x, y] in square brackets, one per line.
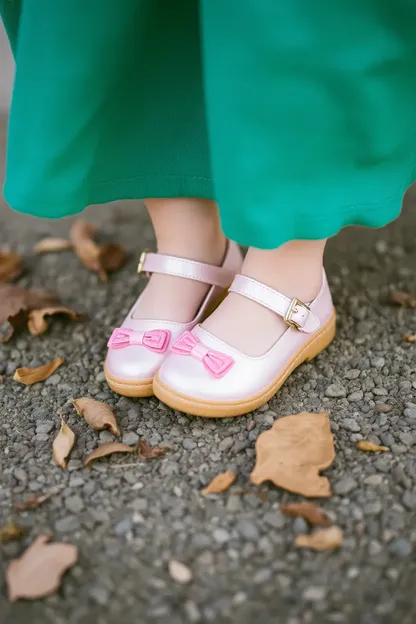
[156, 339]
[215, 362]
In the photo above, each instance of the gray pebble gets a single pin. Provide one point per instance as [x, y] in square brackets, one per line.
[353, 373]
[53, 380]
[226, 443]
[74, 504]
[99, 595]
[123, 527]
[274, 519]
[221, 536]
[314, 594]
[378, 362]
[300, 526]
[192, 614]
[130, 438]
[189, 444]
[400, 547]
[409, 500]
[350, 424]
[410, 413]
[248, 530]
[336, 391]
[262, 576]
[356, 396]
[67, 524]
[45, 426]
[345, 485]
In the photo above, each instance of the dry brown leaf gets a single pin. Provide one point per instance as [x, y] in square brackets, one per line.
[313, 514]
[62, 445]
[16, 302]
[220, 483]
[11, 266]
[409, 338]
[107, 449]
[145, 451]
[51, 244]
[38, 572]
[322, 539]
[37, 323]
[32, 502]
[366, 445]
[97, 414]
[293, 452]
[98, 258]
[29, 376]
[401, 298]
[11, 532]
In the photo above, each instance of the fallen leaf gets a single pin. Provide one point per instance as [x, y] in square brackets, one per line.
[32, 502]
[98, 258]
[401, 298]
[313, 514]
[409, 338]
[179, 572]
[16, 302]
[97, 414]
[38, 572]
[11, 266]
[51, 244]
[220, 483]
[62, 445]
[11, 532]
[145, 451]
[322, 539]
[107, 449]
[37, 323]
[29, 376]
[366, 445]
[293, 452]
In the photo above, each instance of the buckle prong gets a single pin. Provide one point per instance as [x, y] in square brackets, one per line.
[292, 309]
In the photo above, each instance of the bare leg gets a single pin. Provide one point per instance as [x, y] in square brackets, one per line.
[294, 269]
[188, 228]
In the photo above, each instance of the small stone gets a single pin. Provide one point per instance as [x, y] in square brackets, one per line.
[179, 572]
[226, 443]
[189, 444]
[356, 396]
[350, 424]
[374, 548]
[40, 438]
[45, 427]
[74, 504]
[248, 530]
[410, 413]
[300, 526]
[336, 391]
[345, 485]
[191, 612]
[406, 438]
[221, 536]
[380, 391]
[378, 362]
[100, 377]
[400, 547]
[130, 438]
[373, 508]
[262, 576]
[140, 504]
[53, 380]
[275, 519]
[283, 581]
[106, 436]
[409, 500]
[67, 525]
[314, 594]
[20, 475]
[374, 480]
[123, 527]
[353, 373]
[100, 595]
[383, 408]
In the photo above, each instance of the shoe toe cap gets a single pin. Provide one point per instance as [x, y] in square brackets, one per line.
[132, 363]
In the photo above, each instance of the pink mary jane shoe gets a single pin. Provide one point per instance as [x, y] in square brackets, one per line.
[137, 349]
[204, 376]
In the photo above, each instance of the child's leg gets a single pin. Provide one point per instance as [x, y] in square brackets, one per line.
[294, 269]
[188, 228]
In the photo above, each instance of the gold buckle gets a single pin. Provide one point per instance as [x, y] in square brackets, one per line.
[292, 309]
[142, 260]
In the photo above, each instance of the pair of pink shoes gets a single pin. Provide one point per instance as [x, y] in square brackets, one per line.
[191, 370]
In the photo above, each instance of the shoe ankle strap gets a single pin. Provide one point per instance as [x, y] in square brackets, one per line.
[293, 311]
[181, 267]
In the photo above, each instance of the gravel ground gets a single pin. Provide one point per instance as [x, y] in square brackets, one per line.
[129, 522]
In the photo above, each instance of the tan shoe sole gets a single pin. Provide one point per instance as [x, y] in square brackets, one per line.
[129, 388]
[214, 409]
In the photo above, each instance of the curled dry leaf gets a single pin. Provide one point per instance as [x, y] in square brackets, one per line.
[38, 572]
[322, 539]
[29, 376]
[97, 414]
[145, 451]
[16, 302]
[11, 532]
[401, 298]
[33, 502]
[293, 452]
[107, 449]
[51, 244]
[37, 323]
[220, 483]
[98, 258]
[11, 266]
[366, 445]
[62, 445]
[409, 338]
[313, 514]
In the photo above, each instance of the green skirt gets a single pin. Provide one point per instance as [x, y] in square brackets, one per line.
[297, 117]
